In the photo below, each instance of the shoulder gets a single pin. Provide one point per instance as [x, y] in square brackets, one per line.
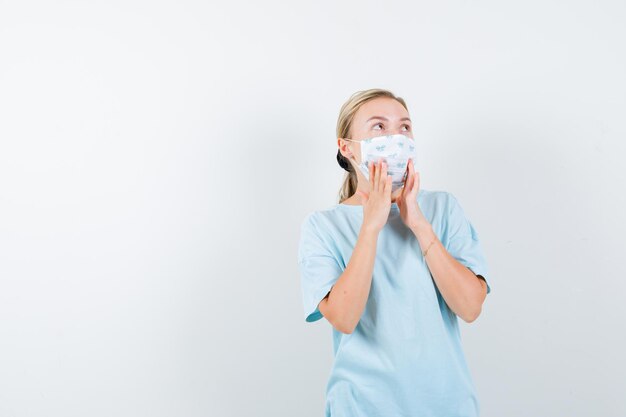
[316, 221]
[436, 200]
[442, 210]
[319, 221]
[312, 219]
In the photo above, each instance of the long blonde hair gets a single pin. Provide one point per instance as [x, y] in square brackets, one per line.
[344, 123]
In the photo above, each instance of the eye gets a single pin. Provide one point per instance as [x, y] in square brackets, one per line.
[408, 127]
[378, 124]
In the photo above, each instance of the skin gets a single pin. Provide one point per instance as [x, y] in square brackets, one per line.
[463, 291]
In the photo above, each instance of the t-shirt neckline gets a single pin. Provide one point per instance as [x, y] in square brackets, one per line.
[360, 205]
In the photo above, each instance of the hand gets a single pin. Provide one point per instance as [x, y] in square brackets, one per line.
[377, 204]
[410, 212]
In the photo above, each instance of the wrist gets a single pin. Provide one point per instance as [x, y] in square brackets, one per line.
[422, 229]
[369, 230]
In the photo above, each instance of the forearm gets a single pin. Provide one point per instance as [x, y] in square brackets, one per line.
[462, 290]
[348, 297]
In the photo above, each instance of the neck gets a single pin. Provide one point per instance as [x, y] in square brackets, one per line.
[357, 200]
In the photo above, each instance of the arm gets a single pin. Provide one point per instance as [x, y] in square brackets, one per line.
[463, 291]
[344, 304]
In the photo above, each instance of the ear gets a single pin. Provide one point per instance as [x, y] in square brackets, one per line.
[339, 143]
[344, 149]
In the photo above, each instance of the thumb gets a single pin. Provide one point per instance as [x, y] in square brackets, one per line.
[364, 196]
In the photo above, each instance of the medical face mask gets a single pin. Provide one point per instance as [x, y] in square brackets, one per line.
[395, 150]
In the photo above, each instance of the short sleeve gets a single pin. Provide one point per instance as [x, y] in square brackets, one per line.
[319, 268]
[463, 242]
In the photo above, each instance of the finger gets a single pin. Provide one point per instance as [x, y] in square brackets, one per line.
[383, 176]
[372, 168]
[405, 187]
[416, 186]
[410, 178]
[412, 174]
[415, 181]
[377, 175]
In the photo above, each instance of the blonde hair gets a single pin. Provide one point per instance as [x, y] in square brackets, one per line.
[344, 124]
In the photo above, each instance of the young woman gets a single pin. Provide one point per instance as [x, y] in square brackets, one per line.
[391, 272]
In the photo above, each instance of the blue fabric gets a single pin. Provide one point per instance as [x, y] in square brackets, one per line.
[404, 357]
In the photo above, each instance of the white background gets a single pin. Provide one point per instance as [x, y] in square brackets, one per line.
[157, 159]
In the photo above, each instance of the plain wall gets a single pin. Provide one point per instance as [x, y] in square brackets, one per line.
[157, 159]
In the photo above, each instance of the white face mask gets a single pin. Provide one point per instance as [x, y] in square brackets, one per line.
[394, 149]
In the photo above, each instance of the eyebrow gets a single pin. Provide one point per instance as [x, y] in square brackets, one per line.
[385, 119]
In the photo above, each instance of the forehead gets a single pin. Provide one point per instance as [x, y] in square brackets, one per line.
[383, 107]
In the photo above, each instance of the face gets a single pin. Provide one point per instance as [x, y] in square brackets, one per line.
[378, 117]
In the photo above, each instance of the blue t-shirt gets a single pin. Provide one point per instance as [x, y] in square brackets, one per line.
[404, 358]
